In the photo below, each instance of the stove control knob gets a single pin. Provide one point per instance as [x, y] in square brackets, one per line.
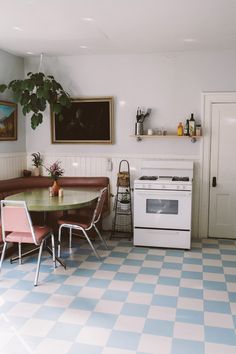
[184, 187]
[177, 187]
[163, 186]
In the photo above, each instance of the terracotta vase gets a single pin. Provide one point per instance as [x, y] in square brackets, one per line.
[55, 188]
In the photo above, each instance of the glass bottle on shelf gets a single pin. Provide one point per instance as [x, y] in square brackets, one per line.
[192, 125]
[186, 128]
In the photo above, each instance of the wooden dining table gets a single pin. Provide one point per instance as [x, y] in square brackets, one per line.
[39, 200]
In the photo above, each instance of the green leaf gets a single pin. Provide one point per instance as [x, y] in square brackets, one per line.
[40, 92]
[11, 83]
[30, 84]
[63, 100]
[33, 98]
[25, 98]
[15, 85]
[52, 96]
[55, 85]
[56, 107]
[25, 110]
[40, 118]
[42, 103]
[36, 119]
[34, 103]
[39, 78]
[3, 87]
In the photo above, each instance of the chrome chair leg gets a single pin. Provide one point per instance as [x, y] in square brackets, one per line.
[100, 236]
[59, 242]
[19, 253]
[3, 254]
[70, 238]
[90, 243]
[70, 227]
[53, 251]
[38, 264]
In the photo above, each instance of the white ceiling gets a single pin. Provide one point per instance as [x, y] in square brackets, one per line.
[66, 27]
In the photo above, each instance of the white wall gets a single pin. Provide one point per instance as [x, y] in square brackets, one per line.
[12, 153]
[168, 83]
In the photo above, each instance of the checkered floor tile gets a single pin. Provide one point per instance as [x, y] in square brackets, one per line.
[136, 300]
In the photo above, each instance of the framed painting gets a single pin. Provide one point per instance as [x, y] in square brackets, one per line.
[87, 120]
[8, 121]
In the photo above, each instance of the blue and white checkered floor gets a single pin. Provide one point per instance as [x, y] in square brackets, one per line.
[137, 300]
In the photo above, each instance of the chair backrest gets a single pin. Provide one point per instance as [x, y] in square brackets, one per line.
[99, 207]
[15, 218]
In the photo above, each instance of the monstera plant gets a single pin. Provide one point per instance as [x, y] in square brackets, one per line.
[34, 92]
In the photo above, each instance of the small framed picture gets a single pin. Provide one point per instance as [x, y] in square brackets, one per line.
[8, 121]
[87, 120]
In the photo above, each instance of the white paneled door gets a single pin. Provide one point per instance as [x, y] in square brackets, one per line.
[222, 207]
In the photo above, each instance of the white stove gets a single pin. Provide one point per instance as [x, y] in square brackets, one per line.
[163, 203]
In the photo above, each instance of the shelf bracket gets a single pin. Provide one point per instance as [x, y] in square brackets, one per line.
[138, 138]
[193, 140]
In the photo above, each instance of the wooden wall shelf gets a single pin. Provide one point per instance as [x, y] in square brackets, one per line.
[193, 139]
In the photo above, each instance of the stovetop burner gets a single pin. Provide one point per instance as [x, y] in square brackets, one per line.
[148, 178]
[177, 178]
[170, 178]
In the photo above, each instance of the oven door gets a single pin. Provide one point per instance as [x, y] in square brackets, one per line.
[162, 209]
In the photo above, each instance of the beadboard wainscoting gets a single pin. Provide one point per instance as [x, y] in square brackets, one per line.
[12, 164]
[101, 165]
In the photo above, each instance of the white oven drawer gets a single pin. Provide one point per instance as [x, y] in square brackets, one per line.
[162, 238]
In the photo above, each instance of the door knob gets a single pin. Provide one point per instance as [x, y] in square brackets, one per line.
[213, 181]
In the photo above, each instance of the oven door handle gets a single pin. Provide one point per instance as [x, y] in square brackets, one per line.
[160, 193]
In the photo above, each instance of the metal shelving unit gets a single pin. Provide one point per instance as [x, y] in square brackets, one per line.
[122, 224]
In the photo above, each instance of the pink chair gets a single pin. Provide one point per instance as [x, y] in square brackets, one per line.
[84, 224]
[17, 228]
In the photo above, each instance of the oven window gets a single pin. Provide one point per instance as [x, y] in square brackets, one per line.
[162, 206]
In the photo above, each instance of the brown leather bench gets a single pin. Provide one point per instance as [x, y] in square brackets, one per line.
[17, 185]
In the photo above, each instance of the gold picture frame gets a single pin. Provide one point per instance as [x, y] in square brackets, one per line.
[8, 121]
[87, 120]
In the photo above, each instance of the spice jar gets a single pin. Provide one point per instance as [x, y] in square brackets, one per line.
[198, 130]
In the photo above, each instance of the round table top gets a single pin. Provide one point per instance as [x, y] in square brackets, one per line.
[38, 199]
